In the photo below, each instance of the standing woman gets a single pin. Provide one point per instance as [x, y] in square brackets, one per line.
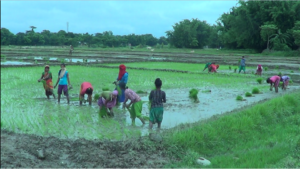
[47, 81]
[64, 81]
[274, 81]
[123, 77]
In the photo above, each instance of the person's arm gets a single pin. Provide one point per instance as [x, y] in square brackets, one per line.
[151, 96]
[164, 97]
[69, 83]
[125, 78]
[40, 78]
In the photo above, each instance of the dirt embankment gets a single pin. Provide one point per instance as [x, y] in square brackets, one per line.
[25, 150]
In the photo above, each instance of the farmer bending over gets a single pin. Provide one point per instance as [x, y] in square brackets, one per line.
[86, 88]
[207, 66]
[106, 102]
[137, 105]
[285, 80]
[274, 81]
[64, 80]
[157, 97]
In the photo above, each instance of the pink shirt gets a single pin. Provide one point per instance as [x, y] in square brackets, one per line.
[84, 86]
[131, 95]
[275, 78]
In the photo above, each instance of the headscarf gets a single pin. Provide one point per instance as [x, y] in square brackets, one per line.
[115, 92]
[122, 71]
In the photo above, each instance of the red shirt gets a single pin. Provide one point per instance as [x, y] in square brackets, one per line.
[84, 86]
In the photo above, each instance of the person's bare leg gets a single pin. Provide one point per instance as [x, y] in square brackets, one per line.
[48, 97]
[68, 99]
[90, 99]
[53, 95]
[59, 98]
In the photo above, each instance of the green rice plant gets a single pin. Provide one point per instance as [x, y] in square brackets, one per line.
[255, 90]
[105, 89]
[96, 97]
[235, 70]
[229, 67]
[279, 74]
[248, 94]
[3, 56]
[259, 80]
[47, 62]
[291, 81]
[194, 95]
[277, 67]
[35, 62]
[206, 91]
[266, 68]
[292, 71]
[63, 61]
[239, 98]
[141, 92]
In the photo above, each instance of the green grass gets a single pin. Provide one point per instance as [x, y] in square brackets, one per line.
[248, 94]
[255, 90]
[239, 98]
[258, 137]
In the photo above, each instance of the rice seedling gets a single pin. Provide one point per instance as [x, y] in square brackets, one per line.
[248, 94]
[259, 80]
[292, 71]
[105, 89]
[141, 92]
[194, 95]
[235, 70]
[266, 68]
[255, 90]
[277, 67]
[35, 62]
[291, 81]
[229, 67]
[239, 98]
[279, 74]
[96, 97]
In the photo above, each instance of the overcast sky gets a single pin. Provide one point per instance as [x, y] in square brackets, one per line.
[120, 17]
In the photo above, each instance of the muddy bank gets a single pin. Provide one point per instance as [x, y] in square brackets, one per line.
[21, 150]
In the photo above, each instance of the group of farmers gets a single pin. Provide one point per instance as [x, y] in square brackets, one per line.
[109, 99]
[274, 81]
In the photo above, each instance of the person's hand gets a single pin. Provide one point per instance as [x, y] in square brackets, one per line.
[54, 87]
[39, 80]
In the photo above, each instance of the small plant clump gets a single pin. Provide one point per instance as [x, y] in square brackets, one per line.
[194, 95]
[266, 68]
[140, 92]
[235, 70]
[255, 91]
[96, 97]
[259, 80]
[291, 81]
[292, 71]
[35, 61]
[105, 89]
[279, 74]
[277, 67]
[240, 98]
[229, 67]
[248, 94]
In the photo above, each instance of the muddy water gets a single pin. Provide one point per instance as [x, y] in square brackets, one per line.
[15, 63]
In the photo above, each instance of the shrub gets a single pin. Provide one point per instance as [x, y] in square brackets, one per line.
[255, 91]
[240, 98]
[96, 97]
[259, 80]
[248, 94]
[194, 94]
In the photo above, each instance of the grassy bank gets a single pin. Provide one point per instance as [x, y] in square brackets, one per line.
[265, 135]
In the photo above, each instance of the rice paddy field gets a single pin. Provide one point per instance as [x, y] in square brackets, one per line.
[227, 126]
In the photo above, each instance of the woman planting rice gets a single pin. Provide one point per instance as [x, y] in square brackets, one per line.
[47, 81]
[274, 81]
[285, 80]
[207, 66]
[64, 80]
[86, 88]
[136, 109]
[259, 70]
[123, 77]
[157, 97]
[213, 68]
[106, 102]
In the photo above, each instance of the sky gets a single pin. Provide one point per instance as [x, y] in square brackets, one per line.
[120, 17]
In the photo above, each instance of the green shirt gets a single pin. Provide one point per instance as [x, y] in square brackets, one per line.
[50, 75]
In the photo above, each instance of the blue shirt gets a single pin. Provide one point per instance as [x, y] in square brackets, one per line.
[243, 62]
[64, 79]
[124, 78]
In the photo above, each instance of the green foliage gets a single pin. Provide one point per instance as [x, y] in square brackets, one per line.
[279, 74]
[255, 91]
[3, 56]
[105, 89]
[292, 71]
[239, 98]
[296, 33]
[35, 62]
[291, 81]
[141, 92]
[96, 97]
[259, 80]
[194, 94]
[248, 94]
[229, 67]
[266, 31]
[266, 68]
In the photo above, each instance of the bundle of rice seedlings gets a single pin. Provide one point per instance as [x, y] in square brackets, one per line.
[96, 97]
[255, 91]
[248, 94]
[266, 68]
[240, 98]
[105, 89]
[279, 74]
[194, 95]
[235, 70]
[229, 67]
[141, 92]
[292, 71]
[259, 80]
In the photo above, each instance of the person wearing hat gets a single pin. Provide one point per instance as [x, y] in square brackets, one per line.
[86, 88]
[107, 100]
[64, 81]
[46, 79]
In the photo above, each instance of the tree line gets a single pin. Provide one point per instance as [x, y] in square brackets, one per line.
[258, 25]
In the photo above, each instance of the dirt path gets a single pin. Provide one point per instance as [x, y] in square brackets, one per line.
[21, 150]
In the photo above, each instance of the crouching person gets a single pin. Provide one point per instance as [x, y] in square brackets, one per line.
[86, 88]
[106, 102]
[274, 82]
